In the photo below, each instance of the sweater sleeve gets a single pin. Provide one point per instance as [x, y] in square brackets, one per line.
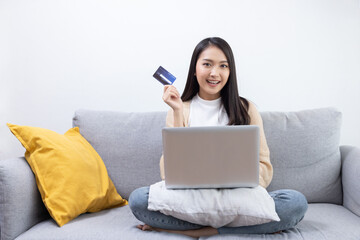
[169, 123]
[265, 167]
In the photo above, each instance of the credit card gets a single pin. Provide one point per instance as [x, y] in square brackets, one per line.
[163, 76]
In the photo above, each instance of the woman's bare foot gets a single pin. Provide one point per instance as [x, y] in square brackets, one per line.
[205, 231]
[145, 227]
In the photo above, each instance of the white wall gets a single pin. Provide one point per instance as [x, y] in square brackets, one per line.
[59, 56]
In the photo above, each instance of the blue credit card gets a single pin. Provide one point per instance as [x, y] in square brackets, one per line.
[163, 76]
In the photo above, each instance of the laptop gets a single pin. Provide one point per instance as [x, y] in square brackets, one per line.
[211, 157]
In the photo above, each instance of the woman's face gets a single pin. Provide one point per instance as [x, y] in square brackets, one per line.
[212, 72]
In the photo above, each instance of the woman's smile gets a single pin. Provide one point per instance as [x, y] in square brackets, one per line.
[212, 83]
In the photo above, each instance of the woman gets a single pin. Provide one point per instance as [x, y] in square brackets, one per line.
[211, 98]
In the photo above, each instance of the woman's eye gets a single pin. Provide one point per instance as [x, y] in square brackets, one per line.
[224, 66]
[206, 64]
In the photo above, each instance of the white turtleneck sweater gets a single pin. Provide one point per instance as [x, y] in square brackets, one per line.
[207, 112]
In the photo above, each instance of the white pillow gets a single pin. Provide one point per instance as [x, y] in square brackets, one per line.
[214, 207]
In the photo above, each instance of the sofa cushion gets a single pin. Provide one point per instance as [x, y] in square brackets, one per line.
[129, 143]
[321, 222]
[111, 224]
[304, 151]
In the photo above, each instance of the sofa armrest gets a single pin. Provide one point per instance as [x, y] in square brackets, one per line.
[350, 157]
[21, 206]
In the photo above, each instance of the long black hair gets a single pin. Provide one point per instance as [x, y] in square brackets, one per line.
[236, 107]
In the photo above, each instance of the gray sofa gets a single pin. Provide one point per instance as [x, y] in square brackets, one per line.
[304, 150]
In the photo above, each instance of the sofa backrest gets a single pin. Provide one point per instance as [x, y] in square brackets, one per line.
[130, 145]
[305, 153]
[304, 149]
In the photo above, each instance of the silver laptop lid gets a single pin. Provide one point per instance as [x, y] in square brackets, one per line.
[211, 157]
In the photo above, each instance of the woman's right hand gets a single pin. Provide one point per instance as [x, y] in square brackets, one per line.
[172, 98]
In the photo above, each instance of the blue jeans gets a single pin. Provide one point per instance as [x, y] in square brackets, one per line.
[290, 206]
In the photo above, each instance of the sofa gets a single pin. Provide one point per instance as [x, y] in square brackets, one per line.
[304, 150]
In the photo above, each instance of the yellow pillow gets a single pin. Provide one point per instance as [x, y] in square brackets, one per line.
[70, 175]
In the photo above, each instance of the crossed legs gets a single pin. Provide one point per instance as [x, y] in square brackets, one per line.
[290, 206]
